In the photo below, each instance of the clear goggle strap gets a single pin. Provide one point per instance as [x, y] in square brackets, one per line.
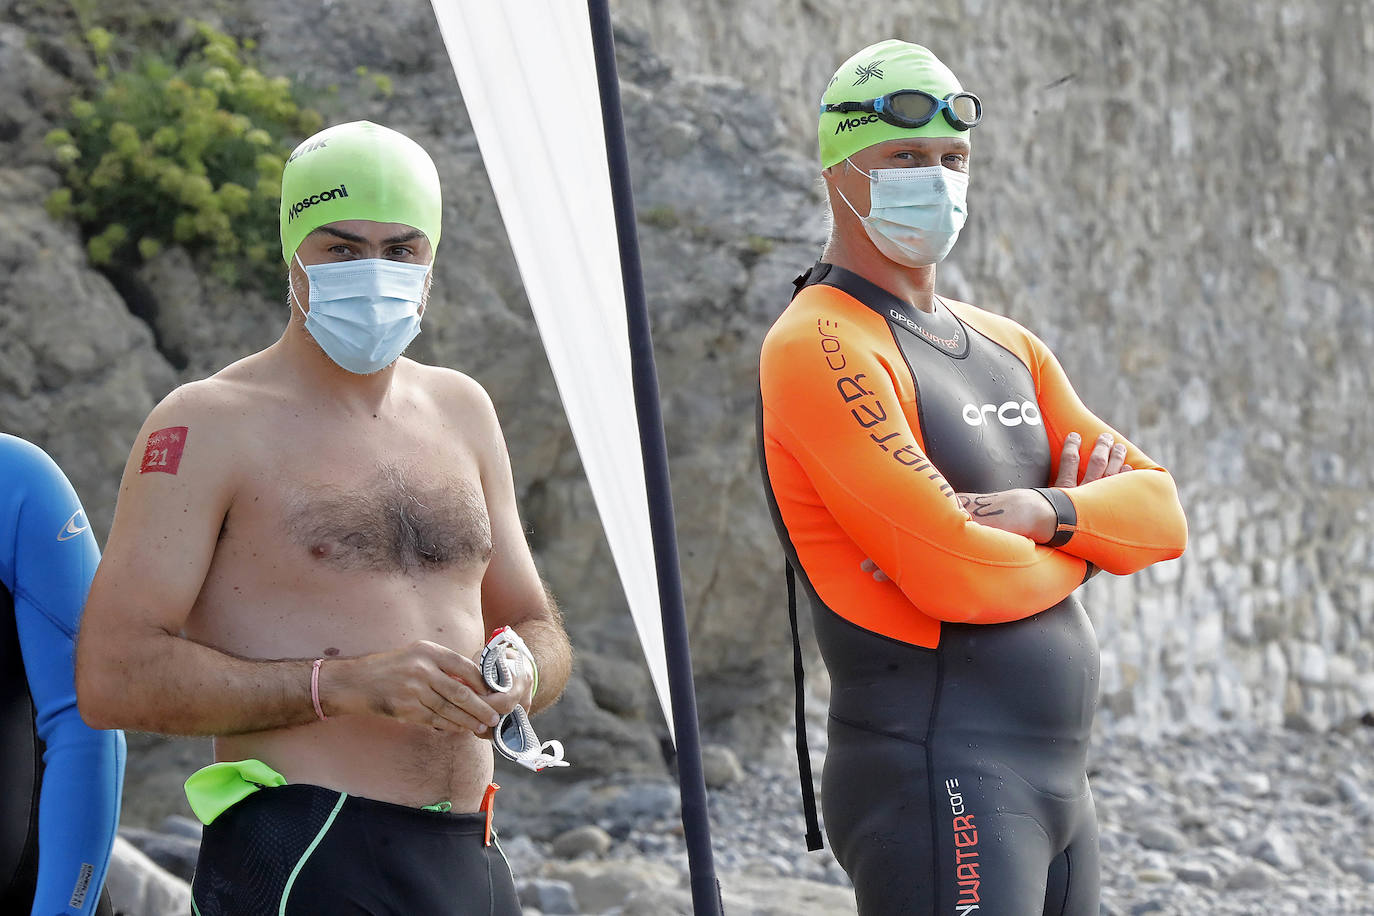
[551, 755]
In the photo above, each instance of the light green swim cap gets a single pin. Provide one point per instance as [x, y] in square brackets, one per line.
[358, 170]
[877, 70]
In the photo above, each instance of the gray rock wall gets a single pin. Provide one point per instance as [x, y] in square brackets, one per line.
[1202, 272]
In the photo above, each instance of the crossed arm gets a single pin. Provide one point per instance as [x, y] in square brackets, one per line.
[832, 396]
[1027, 513]
[1124, 522]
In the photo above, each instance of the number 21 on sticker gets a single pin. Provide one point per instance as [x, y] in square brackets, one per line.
[164, 450]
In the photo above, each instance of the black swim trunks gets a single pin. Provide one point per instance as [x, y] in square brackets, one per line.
[302, 849]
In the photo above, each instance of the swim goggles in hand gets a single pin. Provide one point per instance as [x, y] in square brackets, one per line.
[912, 108]
[514, 736]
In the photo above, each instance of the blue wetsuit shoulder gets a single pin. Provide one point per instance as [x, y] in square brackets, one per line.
[48, 556]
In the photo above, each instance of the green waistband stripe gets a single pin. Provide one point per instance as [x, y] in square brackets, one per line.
[328, 822]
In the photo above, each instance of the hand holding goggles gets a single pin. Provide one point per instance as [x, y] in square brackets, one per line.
[912, 108]
[514, 736]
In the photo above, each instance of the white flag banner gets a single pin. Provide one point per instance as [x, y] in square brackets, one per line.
[528, 79]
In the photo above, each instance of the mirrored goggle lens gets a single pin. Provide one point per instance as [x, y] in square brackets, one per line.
[515, 735]
[912, 106]
[965, 108]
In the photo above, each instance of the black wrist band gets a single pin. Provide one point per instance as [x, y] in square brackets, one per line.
[1065, 515]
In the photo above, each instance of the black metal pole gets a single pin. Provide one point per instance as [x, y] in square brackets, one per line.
[696, 822]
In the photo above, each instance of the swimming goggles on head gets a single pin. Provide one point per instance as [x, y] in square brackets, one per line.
[514, 736]
[912, 108]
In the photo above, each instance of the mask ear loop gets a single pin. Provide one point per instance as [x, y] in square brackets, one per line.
[850, 162]
[846, 199]
[292, 284]
[429, 284]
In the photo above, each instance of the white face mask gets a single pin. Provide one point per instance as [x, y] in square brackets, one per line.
[363, 314]
[914, 215]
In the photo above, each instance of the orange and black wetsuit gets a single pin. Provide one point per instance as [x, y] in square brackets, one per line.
[963, 689]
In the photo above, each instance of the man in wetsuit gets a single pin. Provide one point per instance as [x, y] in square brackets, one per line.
[922, 460]
[59, 779]
[309, 550]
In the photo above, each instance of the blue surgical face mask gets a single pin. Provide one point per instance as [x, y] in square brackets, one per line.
[914, 215]
[363, 314]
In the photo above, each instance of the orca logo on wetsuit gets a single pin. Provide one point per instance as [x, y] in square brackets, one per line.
[1009, 413]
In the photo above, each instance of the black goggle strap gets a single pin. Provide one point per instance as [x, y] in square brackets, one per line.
[808, 785]
[848, 106]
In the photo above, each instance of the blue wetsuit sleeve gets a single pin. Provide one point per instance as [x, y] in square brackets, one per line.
[47, 565]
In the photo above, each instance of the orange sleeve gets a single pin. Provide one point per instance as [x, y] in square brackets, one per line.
[830, 398]
[1125, 522]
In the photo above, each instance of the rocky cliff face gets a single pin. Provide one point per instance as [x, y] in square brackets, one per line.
[1201, 266]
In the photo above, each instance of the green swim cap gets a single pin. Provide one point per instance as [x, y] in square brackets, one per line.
[877, 70]
[358, 170]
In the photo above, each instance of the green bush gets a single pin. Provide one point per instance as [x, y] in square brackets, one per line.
[182, 147]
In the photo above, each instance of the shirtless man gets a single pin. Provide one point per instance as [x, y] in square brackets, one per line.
[308, 552]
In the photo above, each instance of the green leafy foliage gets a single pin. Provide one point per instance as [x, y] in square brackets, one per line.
[182, 147]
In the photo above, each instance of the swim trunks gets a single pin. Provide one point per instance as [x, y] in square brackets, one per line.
[963, 688]
[284, 850]
[59, 779]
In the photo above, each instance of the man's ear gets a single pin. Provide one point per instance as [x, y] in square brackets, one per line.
[833, 172]
[424, 296]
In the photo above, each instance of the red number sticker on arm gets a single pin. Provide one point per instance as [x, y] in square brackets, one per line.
[164, 450]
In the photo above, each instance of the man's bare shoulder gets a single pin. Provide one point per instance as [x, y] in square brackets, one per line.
[224, 407]
[453, 392]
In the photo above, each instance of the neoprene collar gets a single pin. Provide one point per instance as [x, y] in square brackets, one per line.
[940, 329]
